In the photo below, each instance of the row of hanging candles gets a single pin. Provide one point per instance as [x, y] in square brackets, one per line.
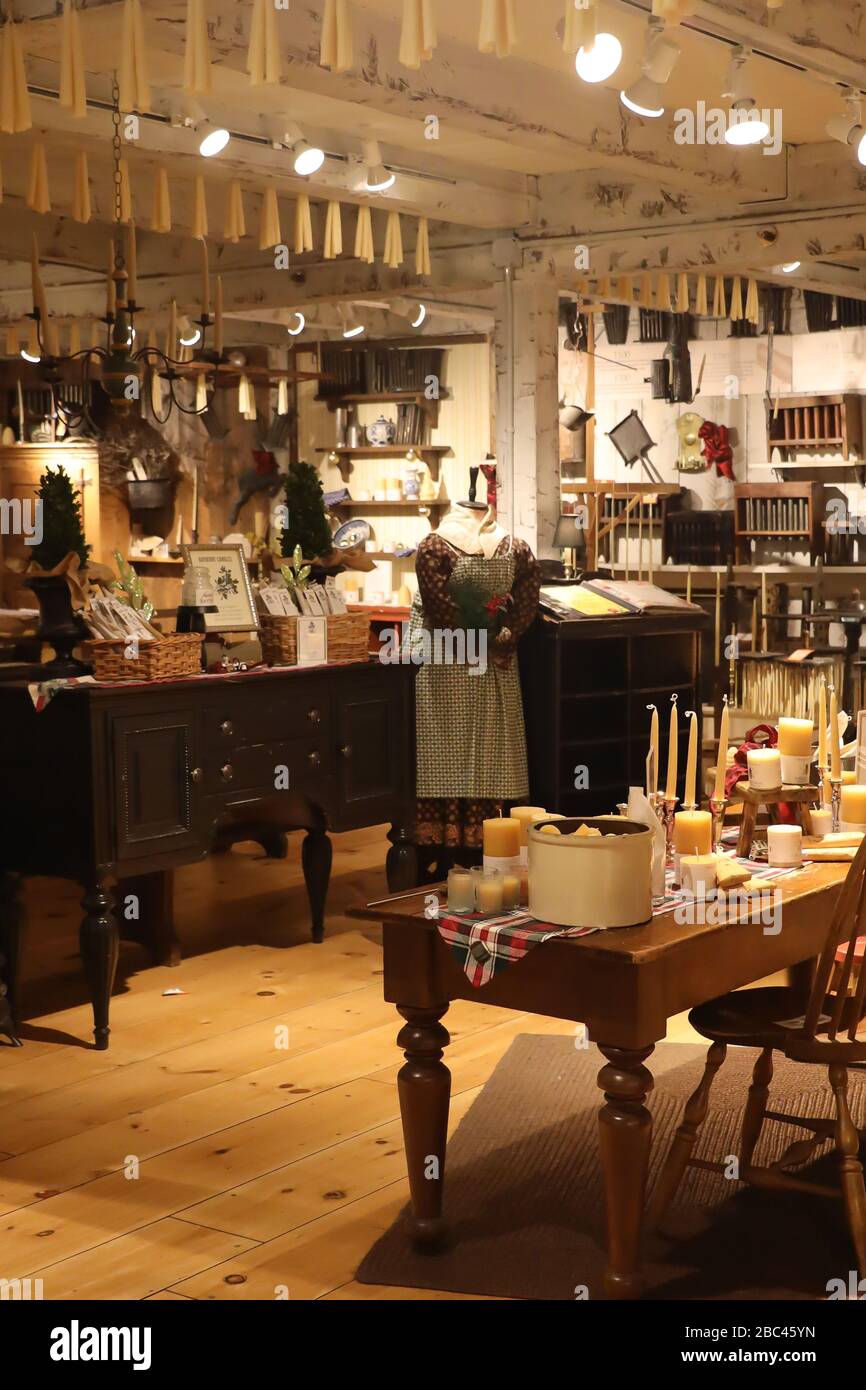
[40, 303]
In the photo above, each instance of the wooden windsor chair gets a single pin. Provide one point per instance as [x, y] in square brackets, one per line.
[772, 1020]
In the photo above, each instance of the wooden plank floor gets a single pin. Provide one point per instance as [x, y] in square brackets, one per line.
[240, 1139]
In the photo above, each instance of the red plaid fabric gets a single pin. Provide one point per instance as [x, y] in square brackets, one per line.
[485, 945]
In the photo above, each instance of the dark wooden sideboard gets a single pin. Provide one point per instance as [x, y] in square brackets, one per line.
[121, 784]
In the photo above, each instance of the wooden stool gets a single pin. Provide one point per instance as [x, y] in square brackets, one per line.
[754, 798]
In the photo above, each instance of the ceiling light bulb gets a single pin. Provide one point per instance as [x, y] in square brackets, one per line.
[600, 60]
[789, 267]
[378, 179]
[420, 316]
[29, 356]
[306, 159]
[354, 332]
[861, 145]
[193, 340]
[300, 324]
[213, 139]
[644, 97]
[746, 126]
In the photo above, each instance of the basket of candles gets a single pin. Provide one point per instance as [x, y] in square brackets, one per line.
[591, 872]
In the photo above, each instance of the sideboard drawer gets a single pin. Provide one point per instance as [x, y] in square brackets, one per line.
[242, 719]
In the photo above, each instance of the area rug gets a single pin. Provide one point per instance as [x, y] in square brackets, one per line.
[523, 1193]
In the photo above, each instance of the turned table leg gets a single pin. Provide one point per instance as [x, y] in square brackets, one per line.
[98, 937]
[11, 938]
[316, 854]
[401, 862]
[624, 1134]
[424, 1088]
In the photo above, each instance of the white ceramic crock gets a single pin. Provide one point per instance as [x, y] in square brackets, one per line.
[590, 880]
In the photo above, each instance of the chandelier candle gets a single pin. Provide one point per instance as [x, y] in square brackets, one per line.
[765, 769]
[795, 747]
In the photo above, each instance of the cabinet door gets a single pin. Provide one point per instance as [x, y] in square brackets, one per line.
[154, 771]
[372, 751]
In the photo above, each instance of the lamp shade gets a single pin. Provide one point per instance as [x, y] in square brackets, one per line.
[568, 535]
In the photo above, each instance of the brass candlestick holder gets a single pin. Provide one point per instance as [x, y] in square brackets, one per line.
[718, 807]
[836, 801]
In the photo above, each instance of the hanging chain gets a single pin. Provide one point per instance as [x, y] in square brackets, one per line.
[117, 148]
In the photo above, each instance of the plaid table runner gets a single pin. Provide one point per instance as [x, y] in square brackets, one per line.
[486, 945]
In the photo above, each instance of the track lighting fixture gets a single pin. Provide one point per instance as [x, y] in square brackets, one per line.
[420, 316]
[789, 267]
[376, 176]
[306, 158]
[645, 97]
[746, 124]
[29, 356]
[192, 339]
[847, 127]
[212, 139]
[599, 60]
[354, 330]
[298, 326]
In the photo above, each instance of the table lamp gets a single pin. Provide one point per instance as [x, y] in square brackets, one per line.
[569, 536]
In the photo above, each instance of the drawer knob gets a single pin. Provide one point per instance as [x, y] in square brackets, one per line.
[197, 774]
[227, 727]
[314, 716]
[227, 772]
[346, 750]
[314, 759]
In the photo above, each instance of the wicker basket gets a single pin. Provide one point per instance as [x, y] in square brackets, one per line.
[348, 638]
[178, 654]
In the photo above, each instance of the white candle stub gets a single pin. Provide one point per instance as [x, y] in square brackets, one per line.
[784, 846]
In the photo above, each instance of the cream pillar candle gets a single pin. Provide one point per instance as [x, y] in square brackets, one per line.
[692, 760]
[853, 812]
[835, 752]
[785, 846]
[765, 769]
[501, 838]
[693, 832]
[671, 788]
[822, 725]
[698, 874]
[525, 815]
[722, 755]
[795, 747]
[654, 750]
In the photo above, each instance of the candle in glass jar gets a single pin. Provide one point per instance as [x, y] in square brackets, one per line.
[511, 889]
[671, 788]
[693, 832]
[461, 891]
[489, 893]
[853, 811]
[795, 737]
[501, 837]
[765, 768]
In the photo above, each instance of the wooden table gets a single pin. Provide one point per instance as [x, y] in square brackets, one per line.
[623, 985]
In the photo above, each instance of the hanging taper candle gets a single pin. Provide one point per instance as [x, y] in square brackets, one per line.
[752, 309]
[393, 256]
[263, 54]
[14, 97]
[234, 222]
[197, 66]
[81, 209]
[219, 341]
[736, 308]
[624, 289]
[422, 248]
[33, 349]
[333, 232]
[602, 289]
[364, 236]
[133, 77]
[335, 50]
[38, 197]
[125, 192]
[269, 220]
[720, 307]
[73, 91]
[701, 308]
[663, 290]
[645, 291]
[303, 225]
[682, 293]
[199, 208]
[418, 35]
[160, 216]
[497, 32]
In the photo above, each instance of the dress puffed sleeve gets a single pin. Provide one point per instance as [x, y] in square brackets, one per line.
[434, 565]
[524, 590]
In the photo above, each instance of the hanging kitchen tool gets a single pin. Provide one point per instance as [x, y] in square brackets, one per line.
[632, 442]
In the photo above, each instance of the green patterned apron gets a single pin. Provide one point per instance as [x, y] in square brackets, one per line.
[470, 733]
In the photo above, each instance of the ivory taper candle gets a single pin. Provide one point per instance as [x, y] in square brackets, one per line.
[218, 318]
[671, 788]
[171, 341]
[110, 295]
[835, 752]
[654, 749]
[718, 646]
[205, 280]
[822, 724]
[692, 760]
[131, 265]
[722, 757]
[689, 585]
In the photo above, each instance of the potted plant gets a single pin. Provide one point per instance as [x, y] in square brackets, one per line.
[54, 572]
[306, 520]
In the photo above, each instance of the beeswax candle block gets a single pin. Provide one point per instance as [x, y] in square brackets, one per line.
[525, 815]
[795, 737]
[853, 811]
[693, 832]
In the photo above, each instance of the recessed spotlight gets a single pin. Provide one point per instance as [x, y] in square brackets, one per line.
[420, 316]
[746, 126]
[789, 267]
[644, 98]
[212, 139]
[306, 159]
[300, 324]
[193, 340]
[600, 59]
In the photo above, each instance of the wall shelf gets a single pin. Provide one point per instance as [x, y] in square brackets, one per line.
[816, 422]
[430, 454]
[778, 511]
